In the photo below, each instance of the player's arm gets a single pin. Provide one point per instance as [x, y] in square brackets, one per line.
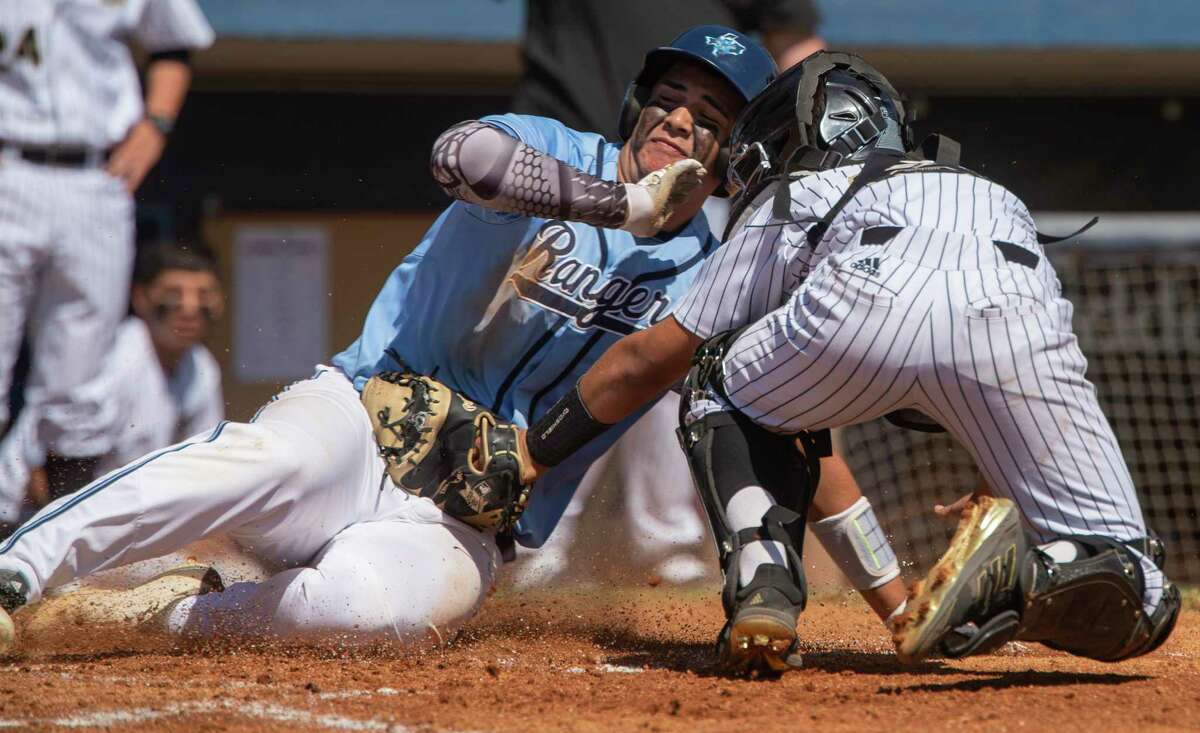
[168, 77]
[644, 364]
[637, 369]
[480, 164]
[632, 372]
[169, 30]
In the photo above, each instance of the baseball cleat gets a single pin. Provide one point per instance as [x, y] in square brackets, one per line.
[973, 591]
[760, 637]
[144, 607]
[13, 592]
[8, 633]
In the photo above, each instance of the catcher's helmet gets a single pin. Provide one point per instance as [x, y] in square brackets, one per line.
[828, 110]
[735, 57]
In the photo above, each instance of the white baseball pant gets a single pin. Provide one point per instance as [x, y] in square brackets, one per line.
[302, 489]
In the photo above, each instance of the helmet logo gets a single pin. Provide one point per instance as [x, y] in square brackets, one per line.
[725, 45]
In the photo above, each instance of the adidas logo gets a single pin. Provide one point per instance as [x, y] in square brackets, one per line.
[756, 600]
[867, 266]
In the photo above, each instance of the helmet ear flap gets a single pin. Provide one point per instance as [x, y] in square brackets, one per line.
[631, 109]
[721, 171]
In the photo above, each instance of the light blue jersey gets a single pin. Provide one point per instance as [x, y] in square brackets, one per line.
[511, 310]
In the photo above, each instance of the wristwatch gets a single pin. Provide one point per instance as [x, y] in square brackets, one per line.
[164, 124]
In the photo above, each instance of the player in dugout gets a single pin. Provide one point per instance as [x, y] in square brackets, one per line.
[162, 381]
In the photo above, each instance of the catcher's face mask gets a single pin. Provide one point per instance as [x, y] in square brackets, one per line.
[747, 166]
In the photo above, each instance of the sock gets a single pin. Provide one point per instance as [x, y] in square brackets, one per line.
[746, 510]
[890, 621]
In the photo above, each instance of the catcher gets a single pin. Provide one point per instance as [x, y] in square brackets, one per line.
[552, 251]
[869, 280]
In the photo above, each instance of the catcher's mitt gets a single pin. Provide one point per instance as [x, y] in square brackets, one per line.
[439, 445]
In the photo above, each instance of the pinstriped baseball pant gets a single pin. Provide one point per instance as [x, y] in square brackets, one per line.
[66, 256]
[988, 352]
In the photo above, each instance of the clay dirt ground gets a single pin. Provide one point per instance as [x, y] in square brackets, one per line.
[592, 659]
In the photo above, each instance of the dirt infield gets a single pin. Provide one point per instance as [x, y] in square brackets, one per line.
[580, 660]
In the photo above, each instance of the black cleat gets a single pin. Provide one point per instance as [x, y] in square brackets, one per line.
[760, 637]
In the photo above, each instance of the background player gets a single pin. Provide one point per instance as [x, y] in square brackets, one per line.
[164, 383]
[75, 141]
[869, 283]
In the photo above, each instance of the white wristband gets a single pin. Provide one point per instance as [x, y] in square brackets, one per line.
[641, 209]
[855, 541]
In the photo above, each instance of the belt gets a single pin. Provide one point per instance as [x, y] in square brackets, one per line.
[1014, 253]
[64, 157]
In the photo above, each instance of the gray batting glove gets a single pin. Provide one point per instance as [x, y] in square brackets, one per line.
[653, 199]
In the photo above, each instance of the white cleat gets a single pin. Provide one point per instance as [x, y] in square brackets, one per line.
[8, 633]
[144, 607]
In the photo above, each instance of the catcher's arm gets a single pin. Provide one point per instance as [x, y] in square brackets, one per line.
[637, 369]
[480, 164]
[632, 372]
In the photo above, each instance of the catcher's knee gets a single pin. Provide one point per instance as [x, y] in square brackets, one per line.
[727, 451]
[1093, 606]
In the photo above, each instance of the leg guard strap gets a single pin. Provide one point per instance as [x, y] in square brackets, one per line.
[780, 525]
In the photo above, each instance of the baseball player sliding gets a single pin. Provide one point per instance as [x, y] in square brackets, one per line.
[76, 140]
[864, 281]
[164, 383]
[559, 243]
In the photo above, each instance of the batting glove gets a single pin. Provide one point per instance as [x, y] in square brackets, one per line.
[653, 199]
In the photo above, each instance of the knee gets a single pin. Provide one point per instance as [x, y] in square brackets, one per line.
[413, 605]
[317, 607]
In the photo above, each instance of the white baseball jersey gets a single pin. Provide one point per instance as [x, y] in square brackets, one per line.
[928, 291]
[154, 409]
[67, 76]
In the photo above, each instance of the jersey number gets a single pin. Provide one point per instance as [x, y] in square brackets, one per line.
[27, 46]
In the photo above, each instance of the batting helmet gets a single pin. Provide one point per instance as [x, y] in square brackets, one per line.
[830, 109]
[735, 57]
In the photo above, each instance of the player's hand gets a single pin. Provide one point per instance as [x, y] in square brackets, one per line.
[133, 158]
[37, 489]
[652, 200]
[531, 470]
[952, 511]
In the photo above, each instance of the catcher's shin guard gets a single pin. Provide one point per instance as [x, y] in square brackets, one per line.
[993, 585]
[728, 452]
[759, 636]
